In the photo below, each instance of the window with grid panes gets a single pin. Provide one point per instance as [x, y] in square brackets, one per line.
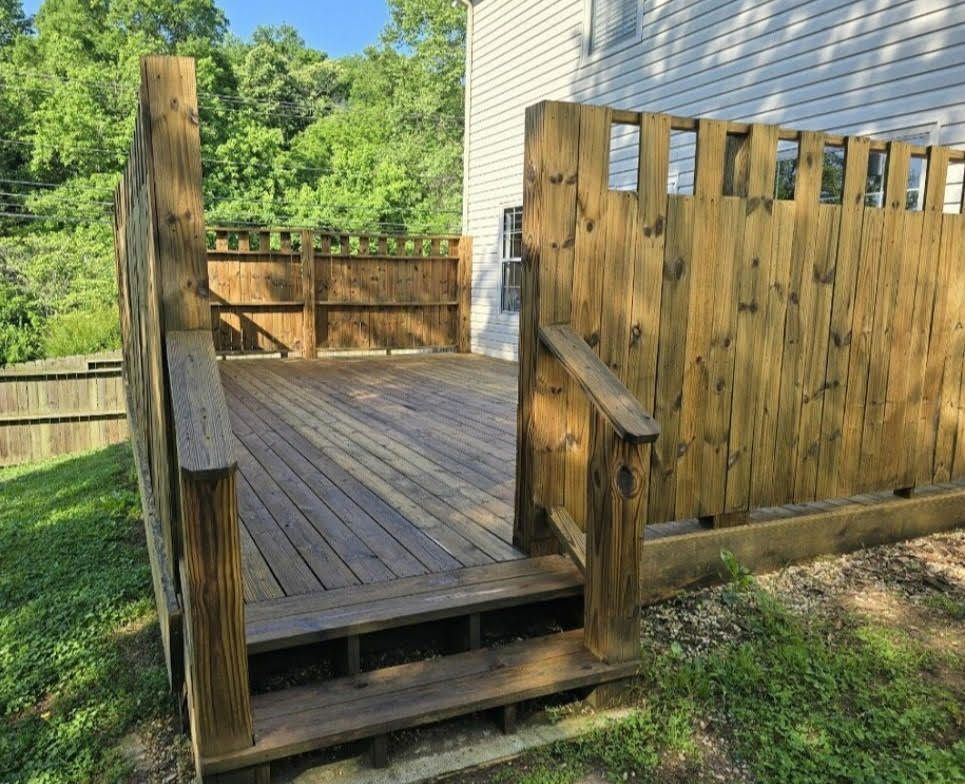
[511, 254]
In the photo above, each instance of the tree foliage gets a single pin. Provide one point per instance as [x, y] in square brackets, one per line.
[289, 135]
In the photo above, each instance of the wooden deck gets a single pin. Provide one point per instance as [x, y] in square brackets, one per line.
[371, 470]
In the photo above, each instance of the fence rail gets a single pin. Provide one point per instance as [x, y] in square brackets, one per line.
[56, 407]
[300, 290]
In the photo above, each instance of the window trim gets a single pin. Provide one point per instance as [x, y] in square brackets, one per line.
[504, 260]
[588, 54]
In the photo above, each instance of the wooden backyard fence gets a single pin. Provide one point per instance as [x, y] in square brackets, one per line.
[298, 291]
[56, 407]
[789, 350]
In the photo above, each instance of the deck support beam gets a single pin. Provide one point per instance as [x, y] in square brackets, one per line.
[379, 751]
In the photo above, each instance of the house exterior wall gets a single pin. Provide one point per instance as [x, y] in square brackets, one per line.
[885, 68]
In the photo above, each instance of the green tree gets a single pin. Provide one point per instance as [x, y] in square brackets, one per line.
[289, 135]
[21, 320]
[13, 21]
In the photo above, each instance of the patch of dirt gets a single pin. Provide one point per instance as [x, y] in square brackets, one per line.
[166, 753]
[921, 583]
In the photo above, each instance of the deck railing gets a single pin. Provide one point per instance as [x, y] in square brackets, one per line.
[298, 291]
[179, 426]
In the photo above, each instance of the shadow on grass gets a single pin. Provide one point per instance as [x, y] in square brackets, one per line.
[80, 659]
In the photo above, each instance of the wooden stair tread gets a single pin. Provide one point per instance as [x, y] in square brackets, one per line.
[298, 620]
[306, 718]
[570, 535]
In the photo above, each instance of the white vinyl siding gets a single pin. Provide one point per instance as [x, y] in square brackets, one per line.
[888, 68]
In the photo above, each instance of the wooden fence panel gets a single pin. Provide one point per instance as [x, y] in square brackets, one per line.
[179, 425]
[805, 348]
[140, 289]
[367, 293]
[57, 410]
[257, 298]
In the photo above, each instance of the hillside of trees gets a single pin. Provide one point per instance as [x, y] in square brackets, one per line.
[290, 136]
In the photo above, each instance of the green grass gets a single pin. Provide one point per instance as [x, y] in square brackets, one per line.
[799, 701]
[80, 661]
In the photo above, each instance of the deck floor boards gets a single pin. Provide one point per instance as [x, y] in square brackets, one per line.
[370, 470]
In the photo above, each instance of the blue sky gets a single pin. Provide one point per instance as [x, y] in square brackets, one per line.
[335, 26]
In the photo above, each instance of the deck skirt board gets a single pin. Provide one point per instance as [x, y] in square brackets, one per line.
[282, 623]
[303, 719]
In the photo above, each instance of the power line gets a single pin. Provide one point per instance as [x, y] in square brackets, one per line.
[236, 162]
[4, 213]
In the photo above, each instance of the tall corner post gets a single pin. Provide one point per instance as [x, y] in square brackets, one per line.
[216, 657]
[549, 232]
[309, 340]
[464, 296]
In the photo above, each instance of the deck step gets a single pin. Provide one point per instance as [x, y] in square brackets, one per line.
[306, 718]
[276, 624]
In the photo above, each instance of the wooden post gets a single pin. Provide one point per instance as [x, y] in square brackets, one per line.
[464, 294]
[614, 544]
[549, 238]
[211, 582]
[309, 350]
[169, 97]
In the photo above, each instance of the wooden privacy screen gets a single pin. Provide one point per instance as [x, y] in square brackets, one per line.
[283, 289]
[177, 412]
[141, 286]
[790, 350]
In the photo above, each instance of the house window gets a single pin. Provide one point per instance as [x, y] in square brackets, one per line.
[511, 252]
[613, 22]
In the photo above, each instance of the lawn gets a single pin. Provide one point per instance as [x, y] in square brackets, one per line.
[843, 670]
[848, 669]
[83, 690]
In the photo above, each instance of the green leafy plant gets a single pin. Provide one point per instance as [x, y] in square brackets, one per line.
[739, 577]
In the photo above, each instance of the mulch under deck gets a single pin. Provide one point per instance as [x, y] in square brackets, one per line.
[367, 471]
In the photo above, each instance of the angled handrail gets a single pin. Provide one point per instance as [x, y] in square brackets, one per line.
[609, 553]
[628, 418]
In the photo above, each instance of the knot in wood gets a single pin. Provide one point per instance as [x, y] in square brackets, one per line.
[627, 481]
[674, 270]
[635, 333]
[658, 226]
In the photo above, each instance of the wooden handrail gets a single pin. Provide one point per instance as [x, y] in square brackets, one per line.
[201, 425]
[210, 566]
[627, 417]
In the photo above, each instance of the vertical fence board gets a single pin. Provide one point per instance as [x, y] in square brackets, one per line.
[586, 312]
[674, 310]
[708, 190]
[549, 229]
[753, 266]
